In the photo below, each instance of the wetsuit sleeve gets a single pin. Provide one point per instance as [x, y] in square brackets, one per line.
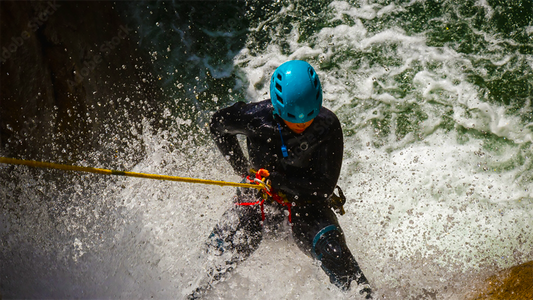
[320, 182]
[225, 125]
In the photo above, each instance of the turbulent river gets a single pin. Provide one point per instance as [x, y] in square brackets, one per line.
[435, 102]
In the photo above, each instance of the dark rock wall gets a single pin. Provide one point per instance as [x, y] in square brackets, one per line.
[72, 82]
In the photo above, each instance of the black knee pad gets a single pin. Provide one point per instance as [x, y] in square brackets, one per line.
[327, 245]
[336, 259]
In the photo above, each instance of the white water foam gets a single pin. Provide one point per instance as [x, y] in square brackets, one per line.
[428, 213]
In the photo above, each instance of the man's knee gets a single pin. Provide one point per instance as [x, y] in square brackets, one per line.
[329, 247]
[327, 244]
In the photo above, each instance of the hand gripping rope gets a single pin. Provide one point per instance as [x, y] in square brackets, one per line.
[266, 193]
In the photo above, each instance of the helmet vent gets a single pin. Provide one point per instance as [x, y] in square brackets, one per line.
[279, 76]
[317, 95]
[278, 87]
[280, 100]
[311, 113]
[291, 115]
[316, 82]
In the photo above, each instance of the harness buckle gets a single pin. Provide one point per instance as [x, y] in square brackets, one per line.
[337, 201]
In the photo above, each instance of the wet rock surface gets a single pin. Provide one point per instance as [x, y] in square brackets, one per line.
[70, 73]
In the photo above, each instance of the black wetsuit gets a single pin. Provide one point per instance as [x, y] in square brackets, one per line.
[308, 176]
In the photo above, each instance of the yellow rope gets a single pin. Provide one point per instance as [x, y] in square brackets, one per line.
[39, 164]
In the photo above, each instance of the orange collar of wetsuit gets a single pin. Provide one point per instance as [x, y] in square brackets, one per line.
[298, 127]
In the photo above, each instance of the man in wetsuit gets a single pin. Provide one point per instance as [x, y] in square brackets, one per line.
[300, 143]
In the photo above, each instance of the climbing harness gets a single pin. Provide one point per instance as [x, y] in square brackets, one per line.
[335, 201]
[267, 193]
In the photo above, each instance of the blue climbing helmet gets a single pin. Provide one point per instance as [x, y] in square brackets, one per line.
[295, 92]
